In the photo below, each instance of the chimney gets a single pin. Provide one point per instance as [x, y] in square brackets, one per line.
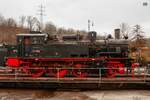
[117, 33]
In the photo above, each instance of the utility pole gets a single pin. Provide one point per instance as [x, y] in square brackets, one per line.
[41, 14]
[90, 24]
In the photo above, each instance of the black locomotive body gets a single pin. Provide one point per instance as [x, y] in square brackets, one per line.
[40, 55]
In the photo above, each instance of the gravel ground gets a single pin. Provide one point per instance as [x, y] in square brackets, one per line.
[28, 94]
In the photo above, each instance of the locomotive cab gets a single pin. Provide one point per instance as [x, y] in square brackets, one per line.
[29, 44]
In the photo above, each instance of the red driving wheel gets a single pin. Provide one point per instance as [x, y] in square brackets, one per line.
[114, 68]
[111, 71]
[33, 71]
[121, 68]
[78, 72]
[57, 72]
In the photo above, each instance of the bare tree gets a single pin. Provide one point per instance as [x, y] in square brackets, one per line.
[2, 20]
[22, 20]
[50, 28]
[10, 22]
[61, 31]
[9, 28]
[31, 22]
[138, 29]
[71, 31]
[138, 36]
[138, 32]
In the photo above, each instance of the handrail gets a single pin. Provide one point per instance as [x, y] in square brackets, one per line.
[97, 75]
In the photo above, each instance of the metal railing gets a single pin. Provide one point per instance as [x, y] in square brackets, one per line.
[77, 75]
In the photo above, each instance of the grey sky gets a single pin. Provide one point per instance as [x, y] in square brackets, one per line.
[106, 14]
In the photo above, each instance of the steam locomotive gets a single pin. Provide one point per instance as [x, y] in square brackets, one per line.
[42, 55]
